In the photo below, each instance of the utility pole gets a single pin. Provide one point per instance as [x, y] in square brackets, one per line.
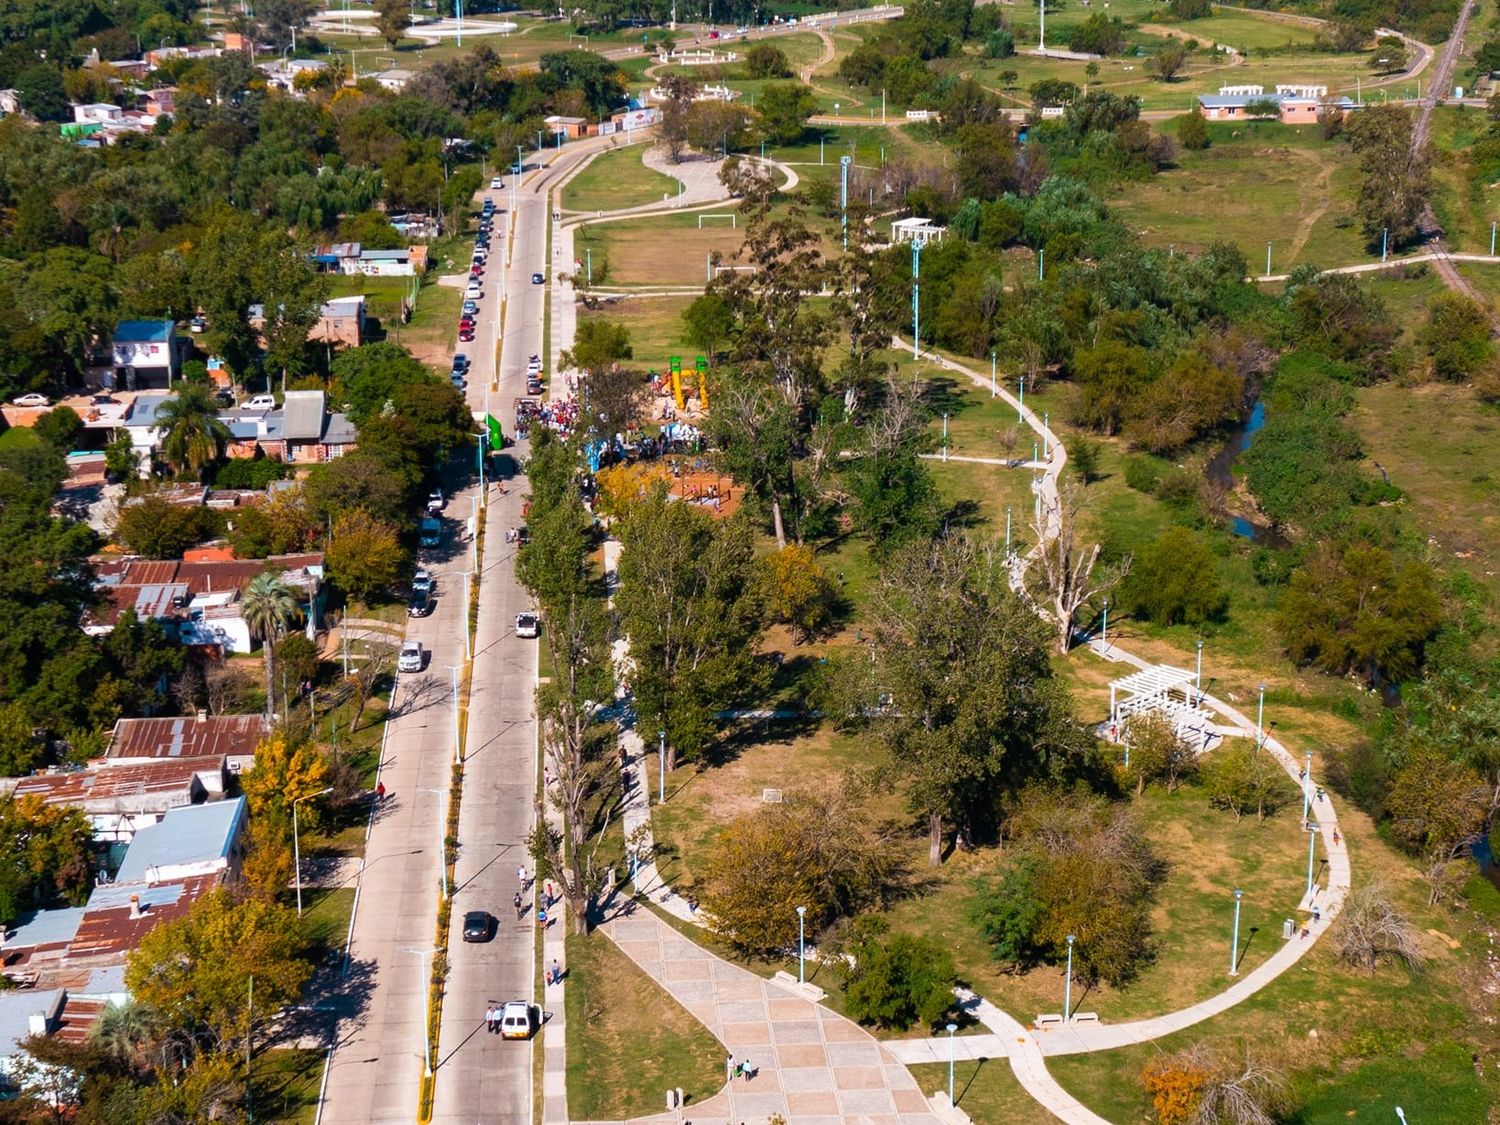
[1041, 39]
[916, 304]
[844, 162]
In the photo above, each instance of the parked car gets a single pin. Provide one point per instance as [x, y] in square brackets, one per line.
[474, 292]
[527, 624]
[479, 925]
[466, 335]
[261, 402]
[471, 307]
[537, 279]
[519, 1020]
[420, 604]
[412, 657]
[431, 532]
[496, 183]
[32, 399]
[422, 582]
[461, 362]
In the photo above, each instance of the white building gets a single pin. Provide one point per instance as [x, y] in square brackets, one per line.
[912, 230]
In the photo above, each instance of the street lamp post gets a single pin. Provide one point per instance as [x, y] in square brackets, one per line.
[801, 946]
[426, 1014]
[458, 746]
[994, 388]
[1401, 1115]
[1198, 686]
[1234, 945]
[297, 844]
[1068, 984]
[1021, 399]
[1260, 715]
[1104, 628]
[661, 760]
[1312, 847]
[952, 1027]
[1307, 787]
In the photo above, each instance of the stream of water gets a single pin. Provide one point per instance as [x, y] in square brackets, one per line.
[1221, 472]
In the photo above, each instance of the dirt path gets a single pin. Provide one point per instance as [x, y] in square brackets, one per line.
[1325, 200]
[807, 72]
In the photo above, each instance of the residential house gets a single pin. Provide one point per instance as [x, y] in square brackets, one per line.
[199, 602]
[145, 355]
[570, 127]
[121, 799]
[394, 79]
[340, 321]
[161, 101]
[1293, 103]
[196, 738]
[96, 113]
[386, 263]
[337, 257]
[283, 73]
[190, 841]
[163, 55]
[22, 1015]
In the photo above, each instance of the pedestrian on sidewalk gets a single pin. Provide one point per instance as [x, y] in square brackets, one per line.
[747, 1070]
[729, 1069]
[739, 1067]
[556, 972]
[380, 792]
[520, 909]
[521, 876]
[547, 893]
[489, 1018]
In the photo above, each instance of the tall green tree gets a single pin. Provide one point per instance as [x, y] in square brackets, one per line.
[687, 605]
[967, 703]
[783, 110]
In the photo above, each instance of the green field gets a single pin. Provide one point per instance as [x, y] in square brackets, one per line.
[664, 250]
[655, 325]
[617, 179]
[1256, 183]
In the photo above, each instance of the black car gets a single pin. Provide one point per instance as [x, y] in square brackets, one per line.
[479, 925]
[420, 604]
[537, 279]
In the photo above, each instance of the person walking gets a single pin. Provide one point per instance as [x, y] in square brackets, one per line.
[380, 792]
[521, 875]
[489, 1018]
[520, 909]
[556, 972]
[746, 1069]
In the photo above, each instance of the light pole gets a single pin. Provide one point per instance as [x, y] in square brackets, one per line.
[1021, 400]
[442, 838]
[1260, 714]
[994, 389]
[801, 946]
[297, 844]
[1307, 786]
[661, 760]
[916, 306]
[426, 1013]
[952, 1027]
[458, 747]
[1068, 984]
[1312, 847]
[1385, 239]
[1234, 945]
[1198, 686]
[1104, 629]
[1046, 434]
[1007, 530]
[1400, 1114]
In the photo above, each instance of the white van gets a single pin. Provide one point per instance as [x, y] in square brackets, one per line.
[519, 1020]
[261, 402]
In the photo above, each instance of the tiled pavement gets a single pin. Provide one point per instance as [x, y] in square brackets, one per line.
[811, 1066]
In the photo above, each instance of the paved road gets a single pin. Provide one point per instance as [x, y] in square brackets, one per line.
[376, 1068]
[479, 1076]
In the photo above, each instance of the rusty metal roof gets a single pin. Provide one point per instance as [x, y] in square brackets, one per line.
[192, 737]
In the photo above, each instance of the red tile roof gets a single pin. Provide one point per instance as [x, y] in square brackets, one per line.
[106, 935]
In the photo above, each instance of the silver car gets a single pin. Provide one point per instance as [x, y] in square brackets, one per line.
[412, 657]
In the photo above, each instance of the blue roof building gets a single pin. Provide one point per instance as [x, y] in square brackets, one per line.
[190, 840]
[146, 354]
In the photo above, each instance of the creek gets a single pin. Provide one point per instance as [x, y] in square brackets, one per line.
[1221, 472]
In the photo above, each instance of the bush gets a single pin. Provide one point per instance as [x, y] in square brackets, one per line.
[1141, 474]
[157, 528]
[1000, 44]
[59, 428]
[251, 473]
[1098, 35]
[1176, 581]
[1241, 777]
[1192, 130]
[896, 981]
[765, 60]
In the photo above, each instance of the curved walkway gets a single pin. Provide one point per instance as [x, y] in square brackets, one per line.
[1027, 1047]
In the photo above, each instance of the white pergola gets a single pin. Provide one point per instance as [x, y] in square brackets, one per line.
[1164, 689]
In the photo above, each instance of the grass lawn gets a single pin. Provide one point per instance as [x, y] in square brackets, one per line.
[1272, 183]
[986, 1090]
[617, 179]
[1437, 441]
[19, 437]
[1463, 207]
[286, 1084]
[627, 1039]
[655, 325]
[666, 250]
[327, 912]
[1241, 30]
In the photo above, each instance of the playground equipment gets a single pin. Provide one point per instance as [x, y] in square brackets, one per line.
[701, 366]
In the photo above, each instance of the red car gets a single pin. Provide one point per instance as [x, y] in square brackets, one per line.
[466, 336]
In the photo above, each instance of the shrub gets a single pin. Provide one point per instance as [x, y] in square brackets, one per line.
[1175, 581]
[896, 981]
[1192, 130]
[1141, 474]
[250, 473]
[59, 428]
[157, 528]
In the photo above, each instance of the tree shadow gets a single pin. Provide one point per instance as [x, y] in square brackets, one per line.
[963, 514]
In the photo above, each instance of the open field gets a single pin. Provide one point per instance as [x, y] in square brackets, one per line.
[1464, 208]
[667, 250]
[1437, 441]
[1244, 31]
[617, 179]
[1272, 183]
[627, 1039]
[533, 39]
[655, 325]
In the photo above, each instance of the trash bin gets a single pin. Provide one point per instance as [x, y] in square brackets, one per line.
[1288, 928]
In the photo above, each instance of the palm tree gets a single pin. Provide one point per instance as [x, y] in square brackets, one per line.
[193, 438]
[270, 607]
[123, 1029]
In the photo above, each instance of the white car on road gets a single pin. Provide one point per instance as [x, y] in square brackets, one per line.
[411, 658]
[496, 183]
[527, 624]
[30, 400]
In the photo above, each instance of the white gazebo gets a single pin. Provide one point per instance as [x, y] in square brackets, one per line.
[1163, 689]
[913, 230]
